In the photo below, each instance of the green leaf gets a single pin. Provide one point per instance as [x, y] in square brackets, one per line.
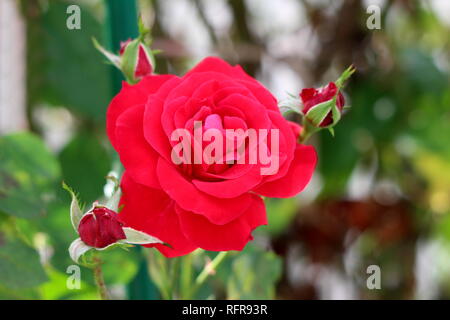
[28, 175]
[85, 164]
[18, 294]
[119, 266]
[244, 283]
[56, 288]
[64, 68]
[20, 266]
[58, 227]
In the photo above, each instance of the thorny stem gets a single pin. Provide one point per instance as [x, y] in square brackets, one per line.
[99, 281]
[206, 272]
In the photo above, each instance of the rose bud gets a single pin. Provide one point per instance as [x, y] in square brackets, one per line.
[100, 228]
[321, 106]
[136, 59]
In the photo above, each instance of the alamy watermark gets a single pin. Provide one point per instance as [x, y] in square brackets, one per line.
[73, 21]
[374, 20]
[73, 281]
[374, 279]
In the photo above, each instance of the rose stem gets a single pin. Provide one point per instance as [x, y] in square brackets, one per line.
[206, 272]
[307, 131]
[99, 281]
[186, 277]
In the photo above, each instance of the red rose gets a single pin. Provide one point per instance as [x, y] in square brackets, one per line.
[312, 97]
[211, 206]
[100, 227]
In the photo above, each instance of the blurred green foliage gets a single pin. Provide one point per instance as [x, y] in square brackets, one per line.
[65, 68]
[85, 163]
[396, 132]
[18, 258]
[253, 275]
[28, 173]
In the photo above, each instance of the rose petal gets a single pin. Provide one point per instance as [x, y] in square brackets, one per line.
[152, 211]
[153, 130]
[231, 236]
[129, 96]
[215, 64]
[136, 155]
[256, 115]
[287, 144]
[187, 196]
[297, 177]
[231, 188]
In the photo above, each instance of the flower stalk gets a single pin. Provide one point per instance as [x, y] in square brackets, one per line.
[208, 269]
[99, 279]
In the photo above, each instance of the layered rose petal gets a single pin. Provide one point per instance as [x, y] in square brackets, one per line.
[287, 145]
[213, 64]
[231, 236]
[211, 205]
[129, 96]
[231, 188]
[187, 196]
[298, 176]
[136, 155]
[152, 211]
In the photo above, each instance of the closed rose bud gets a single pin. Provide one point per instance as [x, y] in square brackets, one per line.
[312, 97]
[123, 44]
[100, 227]
[137, 59]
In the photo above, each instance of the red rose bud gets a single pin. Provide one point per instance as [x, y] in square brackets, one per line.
[123, 44]
[136, 59]
[100, 227]
[318, 104]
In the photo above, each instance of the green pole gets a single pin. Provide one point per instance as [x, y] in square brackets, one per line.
[121, 22]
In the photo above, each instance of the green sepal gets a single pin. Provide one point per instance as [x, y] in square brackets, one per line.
[331, 131]
[114, 59]
[340, 82]
[335, 114]
[76, 212]
[318, 113]
[130, 60]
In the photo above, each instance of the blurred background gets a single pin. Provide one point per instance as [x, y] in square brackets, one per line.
[380, 195]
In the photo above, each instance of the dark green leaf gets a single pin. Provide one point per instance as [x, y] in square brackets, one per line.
[20, 266]
[85, 165]
[66, 68]
[28, 173]
[245, 283]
